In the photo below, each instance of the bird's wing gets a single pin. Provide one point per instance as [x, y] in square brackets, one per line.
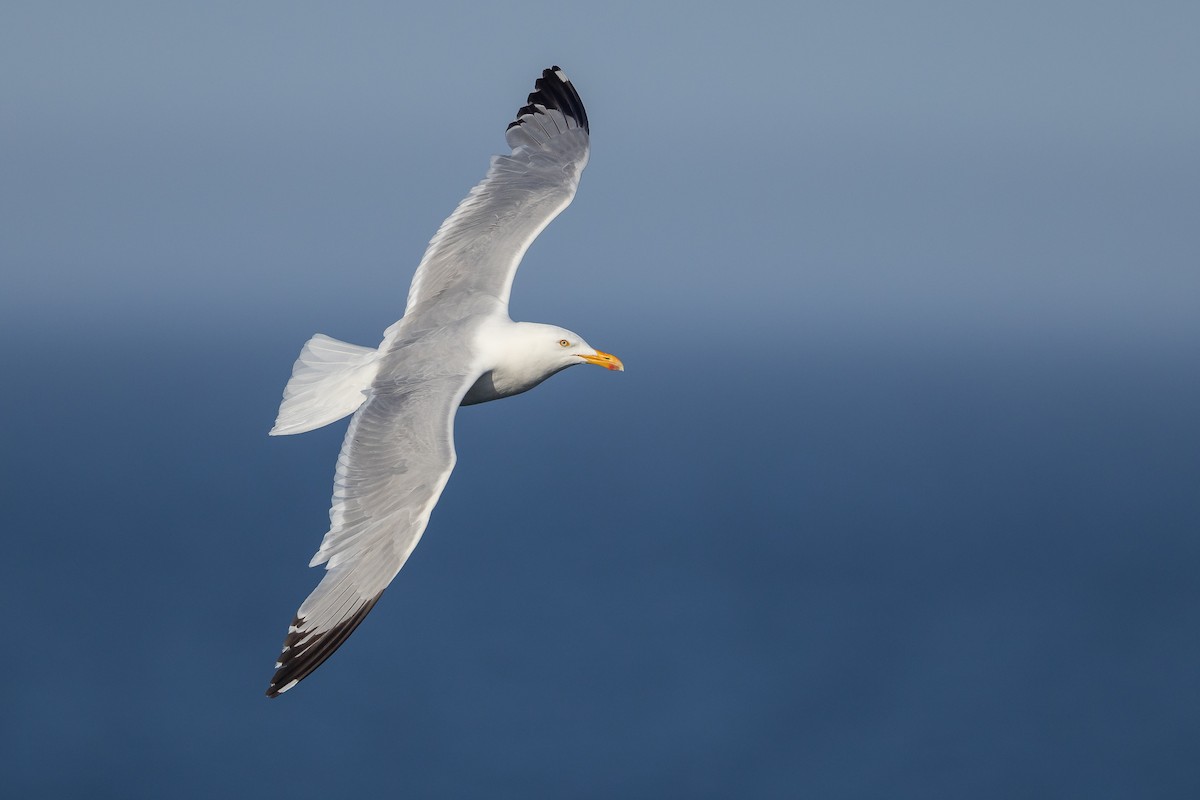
[477, 249]
[395, 460]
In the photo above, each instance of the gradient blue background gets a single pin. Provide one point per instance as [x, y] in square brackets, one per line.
[899, 496]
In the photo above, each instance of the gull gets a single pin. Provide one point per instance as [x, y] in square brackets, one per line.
[455, 345]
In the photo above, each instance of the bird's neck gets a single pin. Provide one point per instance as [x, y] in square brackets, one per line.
[511, 353]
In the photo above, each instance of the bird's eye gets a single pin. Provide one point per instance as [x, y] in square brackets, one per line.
[563, 343]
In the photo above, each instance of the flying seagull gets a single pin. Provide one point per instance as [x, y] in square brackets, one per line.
[455, 345]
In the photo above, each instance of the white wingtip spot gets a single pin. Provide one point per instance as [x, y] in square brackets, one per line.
[292, 629]
[290, 684]
[278, 664]
[562, 76]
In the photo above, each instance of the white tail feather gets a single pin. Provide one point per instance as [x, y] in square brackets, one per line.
[328, 382]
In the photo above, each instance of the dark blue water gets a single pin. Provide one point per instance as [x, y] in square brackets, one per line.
[846, 570]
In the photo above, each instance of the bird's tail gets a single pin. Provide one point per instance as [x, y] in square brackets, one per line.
[328, 382]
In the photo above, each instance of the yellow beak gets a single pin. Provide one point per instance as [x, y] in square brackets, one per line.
[606, 360]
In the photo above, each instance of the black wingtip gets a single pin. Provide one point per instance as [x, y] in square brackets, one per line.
[554, 90]
[303, 653]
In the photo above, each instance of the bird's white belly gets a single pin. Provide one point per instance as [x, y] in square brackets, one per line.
[497, 383]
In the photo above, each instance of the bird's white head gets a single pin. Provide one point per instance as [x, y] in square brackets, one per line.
[566, 348]
[547, 349]
[520, 355]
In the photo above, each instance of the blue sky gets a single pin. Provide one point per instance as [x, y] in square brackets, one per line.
[838, 169]
[897, 497]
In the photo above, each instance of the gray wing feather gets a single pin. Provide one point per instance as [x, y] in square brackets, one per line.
[478, 248]
[395, 460]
